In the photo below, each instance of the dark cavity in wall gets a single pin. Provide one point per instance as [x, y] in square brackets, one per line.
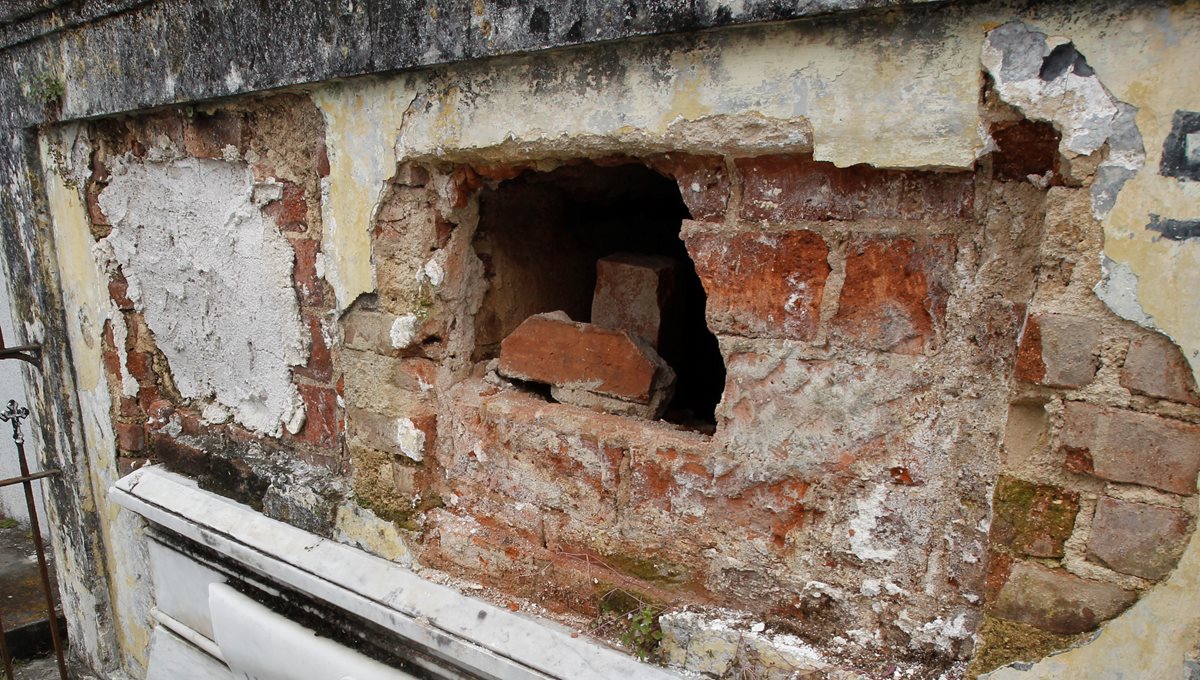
[540, 236]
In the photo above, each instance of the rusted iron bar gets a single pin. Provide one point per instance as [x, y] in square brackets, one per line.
[29, 478]
[14, 414]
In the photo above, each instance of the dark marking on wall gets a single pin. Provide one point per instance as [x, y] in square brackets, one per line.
[539, 23]
[1181, 157]
[1176, 230]
[1062, 59]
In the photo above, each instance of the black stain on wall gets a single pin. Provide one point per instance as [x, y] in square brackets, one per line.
[1176, 161]
[1176, 230]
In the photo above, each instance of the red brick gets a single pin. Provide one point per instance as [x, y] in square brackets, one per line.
[894, 295]
[1058, 350]
[322, 419]
[761, 284]
[1137, 538]
[1057, 601]
[291, 210]
[1124, 446]
[118, 290]
[141, 366]
[131, 437]
[309, 286]
[112, 366]
[411, 175]
[126, 465]
[703, 183]
[100, 226]
[554, 350]
[207, 136]
[1033, 519]
[633, 293]
[179, 457]
[1155, 367]
[1023, 149]
[321, 159]
[788, 189]
[320, 361]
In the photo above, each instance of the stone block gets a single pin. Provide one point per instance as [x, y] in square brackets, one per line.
[633, 293]
[1155, 367]
[588, 365]
[1033, 519]
[760, 284]
[1059, 350]
[1058, 601]
[1124, 446]
[791, 189]
[894, 296]
[1137, 538]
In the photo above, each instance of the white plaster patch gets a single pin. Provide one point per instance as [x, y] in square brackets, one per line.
[410, 439]
[129, 384]
[404, 331]
[213, 277]
[862, 542]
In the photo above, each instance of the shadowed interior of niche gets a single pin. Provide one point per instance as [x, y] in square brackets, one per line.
[540, 236]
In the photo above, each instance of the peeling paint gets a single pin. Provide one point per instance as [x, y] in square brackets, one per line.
[362, 120]
[193, 230]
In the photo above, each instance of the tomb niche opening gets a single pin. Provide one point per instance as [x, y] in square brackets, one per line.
[542, 238]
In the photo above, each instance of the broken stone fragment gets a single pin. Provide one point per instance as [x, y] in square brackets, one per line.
[588, 366]
[632, 294]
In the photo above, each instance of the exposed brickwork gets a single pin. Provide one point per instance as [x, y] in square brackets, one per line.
[309, 286]
[1137, 538]
[290, 211]
[761, 284]
[1124, 446]
[1057, 601]
[1059, 350]
[1155, 367]
[790, 189]
[1033, 519]
[320, 360]
[894, 297]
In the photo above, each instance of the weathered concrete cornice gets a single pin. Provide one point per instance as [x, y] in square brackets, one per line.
[113, 56]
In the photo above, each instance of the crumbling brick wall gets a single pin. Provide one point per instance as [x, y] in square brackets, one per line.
[926, 412]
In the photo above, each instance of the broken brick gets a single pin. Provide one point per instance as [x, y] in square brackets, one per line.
[584, 358]
[118, 290]
[703, 183]
[1058, 350]
[309, 286]
[1123, 446]
[895, 293]
[632, 294]
[320, 361]
[760, 284]
[1137, 538]
[131, 437]
[1058, 601]
[322, 418]
[789, 189]
[1155, 367]
[291, 210]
